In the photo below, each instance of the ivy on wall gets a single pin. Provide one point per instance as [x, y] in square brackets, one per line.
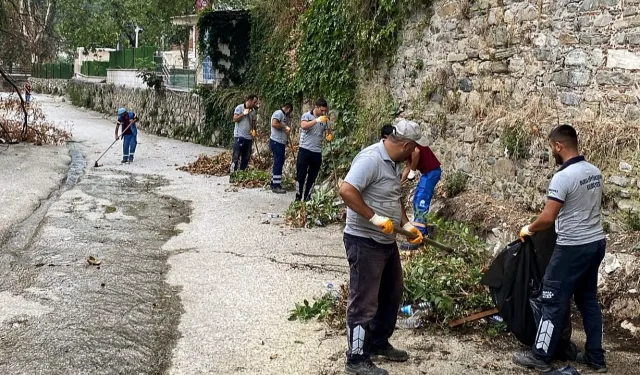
[231, 28]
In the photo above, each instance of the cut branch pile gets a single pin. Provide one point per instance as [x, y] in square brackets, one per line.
[39, 131]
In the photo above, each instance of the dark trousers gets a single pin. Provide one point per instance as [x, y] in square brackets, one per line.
[572, 271]
[309, 164]
[375, 294]
[241, 154]
[278, 150]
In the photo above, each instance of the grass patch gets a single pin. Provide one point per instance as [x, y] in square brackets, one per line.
[110, 209]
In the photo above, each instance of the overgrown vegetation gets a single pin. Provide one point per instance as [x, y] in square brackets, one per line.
[455, 183]
[323, 209]
[448, 281]
[292, 59]
[218, 107]
[231, 28]
[451, 282]
[633, 220]
[517, 140]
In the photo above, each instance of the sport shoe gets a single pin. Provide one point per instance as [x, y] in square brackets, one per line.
[390, 353]
[528, 360]
[278, 190]
[124, 161]
[365, 367]
[583, 358]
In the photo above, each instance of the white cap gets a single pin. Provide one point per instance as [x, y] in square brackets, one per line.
[411, 130]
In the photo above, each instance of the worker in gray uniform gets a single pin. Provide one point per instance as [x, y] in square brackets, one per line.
[573, 203]
[372, 194]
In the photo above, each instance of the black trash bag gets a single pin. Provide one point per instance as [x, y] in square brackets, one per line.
[515, 282]
[513, 279]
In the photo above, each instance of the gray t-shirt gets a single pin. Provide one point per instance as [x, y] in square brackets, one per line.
[279, 135]
[578, 185]
[311, 139]
[377, 178]
[242, 128]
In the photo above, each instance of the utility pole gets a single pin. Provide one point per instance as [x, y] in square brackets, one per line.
[138, 30]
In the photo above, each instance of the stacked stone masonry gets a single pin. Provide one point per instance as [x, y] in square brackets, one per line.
[581, 56]
[167, 113]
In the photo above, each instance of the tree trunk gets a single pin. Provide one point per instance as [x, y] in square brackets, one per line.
[185, 54]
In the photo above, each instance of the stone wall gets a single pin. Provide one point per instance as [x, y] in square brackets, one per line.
[167, 113]
[49, 86]
[463, 60]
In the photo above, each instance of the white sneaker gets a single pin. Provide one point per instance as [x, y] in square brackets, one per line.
[412, 175]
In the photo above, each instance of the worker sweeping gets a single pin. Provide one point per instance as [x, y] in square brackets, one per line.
[372, 193]
[127, 121]
[314, 131]
[425, 161]
[244, 117]
[573, 204]
[280, 130]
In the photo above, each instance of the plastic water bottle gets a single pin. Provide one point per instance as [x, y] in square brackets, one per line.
[415, 321]
[412, 309]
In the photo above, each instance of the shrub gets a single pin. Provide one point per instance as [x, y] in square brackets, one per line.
[455, 184]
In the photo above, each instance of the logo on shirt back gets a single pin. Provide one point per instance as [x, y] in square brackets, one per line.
[592, 182]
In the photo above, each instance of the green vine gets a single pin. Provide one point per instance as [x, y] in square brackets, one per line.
[218, 107]
[231, 28]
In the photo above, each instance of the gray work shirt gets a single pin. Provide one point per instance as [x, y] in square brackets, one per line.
[311, 139]
[279, 135]
[377, 178]
[242, 128]
[578, 186]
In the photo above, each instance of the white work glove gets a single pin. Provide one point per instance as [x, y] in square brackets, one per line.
[525, 232]
[411, 228]
[384, 223]
[322, 119]
[246, 111]
[412, 175]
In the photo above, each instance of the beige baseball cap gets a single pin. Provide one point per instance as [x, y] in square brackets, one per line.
[411, 130]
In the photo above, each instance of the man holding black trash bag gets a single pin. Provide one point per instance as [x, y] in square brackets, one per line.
[573, 203]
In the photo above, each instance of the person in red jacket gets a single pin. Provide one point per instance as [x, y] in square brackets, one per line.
[428, 164]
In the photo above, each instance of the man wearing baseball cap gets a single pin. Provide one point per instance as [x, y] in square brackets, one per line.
[372, 194]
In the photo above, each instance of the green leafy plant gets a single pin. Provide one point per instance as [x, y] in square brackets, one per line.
[455, 184]
[497, 329]
[147, 70]
[517, 140]
[254, 178]
[321, 210]
[230, 28]
[633, 220]
[451, 282]
[321, 308]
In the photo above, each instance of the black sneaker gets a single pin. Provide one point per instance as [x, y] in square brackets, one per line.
[528, 360]
[124, 161]
[390, 353]
[365, 367]
[583, 358]
[278, 190]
